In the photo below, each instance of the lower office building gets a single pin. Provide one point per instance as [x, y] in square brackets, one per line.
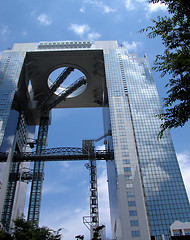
[146, 190]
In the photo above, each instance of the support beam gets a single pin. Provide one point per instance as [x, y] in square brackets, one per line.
[88, 147]
[60, 79]
[62, 96]
[9, 201]
[38, 173]
[58, 154]
[9, 198]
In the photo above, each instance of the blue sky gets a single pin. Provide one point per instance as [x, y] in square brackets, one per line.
[65, 193]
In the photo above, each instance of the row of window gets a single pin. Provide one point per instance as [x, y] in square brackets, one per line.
[125, 154]
[131, 203]
[127, 169]
[135, 233]
[124, 147]
[126, 161]
[134, 222]
[128, 177]
[130, 194]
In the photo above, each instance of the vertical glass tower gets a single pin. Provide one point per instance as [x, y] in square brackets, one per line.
[14, 131]
[149, 185]
[146, 190]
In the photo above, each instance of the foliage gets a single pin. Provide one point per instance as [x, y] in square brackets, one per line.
[174, 31]
[79, 237]
[5, 236]
[27, 230]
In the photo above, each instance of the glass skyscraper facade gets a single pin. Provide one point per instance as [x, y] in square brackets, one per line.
[133, 106]
[13, 134]
[146, 190]
[10, 65]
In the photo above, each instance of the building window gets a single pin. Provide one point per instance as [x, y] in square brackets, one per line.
[121, 127]
[124, 147]
[187, 231]
[134, 223]
[123, 140]
[129, 185]
[115, 142]
[135, 233]
[129, 176]
[177, 232]
[130, 194]
[133, 213]
[122, 133]
[120, 121]
[127, 169]
[120, 115]
[118, 99]
[125, 154]
[126, 161]
[131, 203]
[117, 93]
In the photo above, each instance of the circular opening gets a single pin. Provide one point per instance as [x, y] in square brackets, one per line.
[73, 77]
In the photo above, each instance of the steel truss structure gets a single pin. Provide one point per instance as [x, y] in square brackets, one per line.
[56, 154]
[88, 147]
[45, 105]
[64, 94]
[13, 176]
[60, 79]
[36, 176]
[10, 193]
[38, 173]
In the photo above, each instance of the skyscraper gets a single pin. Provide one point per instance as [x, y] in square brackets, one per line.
[146, 190]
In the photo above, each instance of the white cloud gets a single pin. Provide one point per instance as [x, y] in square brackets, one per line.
[101, 5]
[183, 158]
[10, 139]
[155, 7]
[100, 147]
[129, 5]
[33, 13]
[132, 47]
[44, 19]
[142, 1]
[4, 32]
[108, 9]
[148, 7]
[8, 143]
[24, 33]
[184, 162]
[84, 31]
[157, 184]
[64, 164]
[104, 209]
[51, 189]
[94, 36]
[82, 10]
[59, 114]
[70, 219]
[79, 30]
